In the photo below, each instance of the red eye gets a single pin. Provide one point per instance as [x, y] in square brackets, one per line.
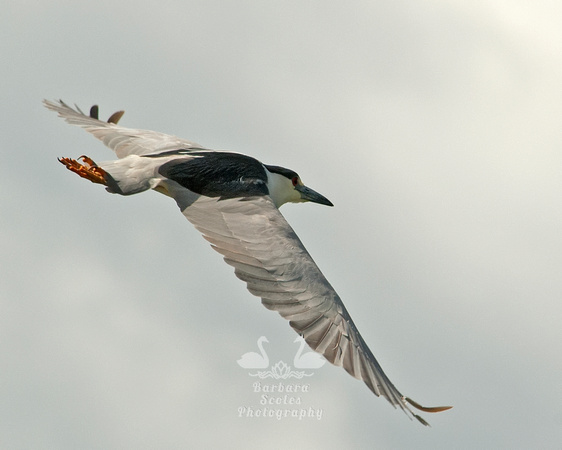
[295, 180]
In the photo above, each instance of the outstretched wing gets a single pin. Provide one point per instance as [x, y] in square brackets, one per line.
[123, 141]
[254, 238]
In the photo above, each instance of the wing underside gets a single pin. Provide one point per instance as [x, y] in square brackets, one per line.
[254, 238]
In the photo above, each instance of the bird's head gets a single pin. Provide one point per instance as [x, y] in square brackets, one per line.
[286, 186]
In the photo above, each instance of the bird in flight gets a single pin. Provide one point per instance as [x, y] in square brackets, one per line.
[234, 200]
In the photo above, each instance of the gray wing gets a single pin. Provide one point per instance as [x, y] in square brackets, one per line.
[123, 141]
[254, 238]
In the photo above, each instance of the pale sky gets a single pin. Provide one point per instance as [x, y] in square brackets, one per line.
[434, 128]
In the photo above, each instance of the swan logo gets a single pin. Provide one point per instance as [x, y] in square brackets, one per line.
[281, 370]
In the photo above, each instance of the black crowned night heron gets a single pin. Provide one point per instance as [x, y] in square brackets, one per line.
[233, 200]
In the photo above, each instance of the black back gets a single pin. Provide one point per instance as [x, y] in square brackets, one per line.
[218, 174]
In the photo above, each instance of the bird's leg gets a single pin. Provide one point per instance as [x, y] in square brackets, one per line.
[89, 170]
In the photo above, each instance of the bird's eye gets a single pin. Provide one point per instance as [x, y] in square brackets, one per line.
[295, 180]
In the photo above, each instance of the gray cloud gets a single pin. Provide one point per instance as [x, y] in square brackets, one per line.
[433, 128]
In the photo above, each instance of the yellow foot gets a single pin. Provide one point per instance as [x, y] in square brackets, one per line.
[90, 170]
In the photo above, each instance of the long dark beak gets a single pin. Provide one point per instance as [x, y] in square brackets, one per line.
[309, 195]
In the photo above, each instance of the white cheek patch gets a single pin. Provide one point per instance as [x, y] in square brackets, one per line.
[281, 189]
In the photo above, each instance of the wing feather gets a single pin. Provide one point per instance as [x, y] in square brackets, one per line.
[257, 241]
[123, 141]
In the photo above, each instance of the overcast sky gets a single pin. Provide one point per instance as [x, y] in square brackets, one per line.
[435, 129]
